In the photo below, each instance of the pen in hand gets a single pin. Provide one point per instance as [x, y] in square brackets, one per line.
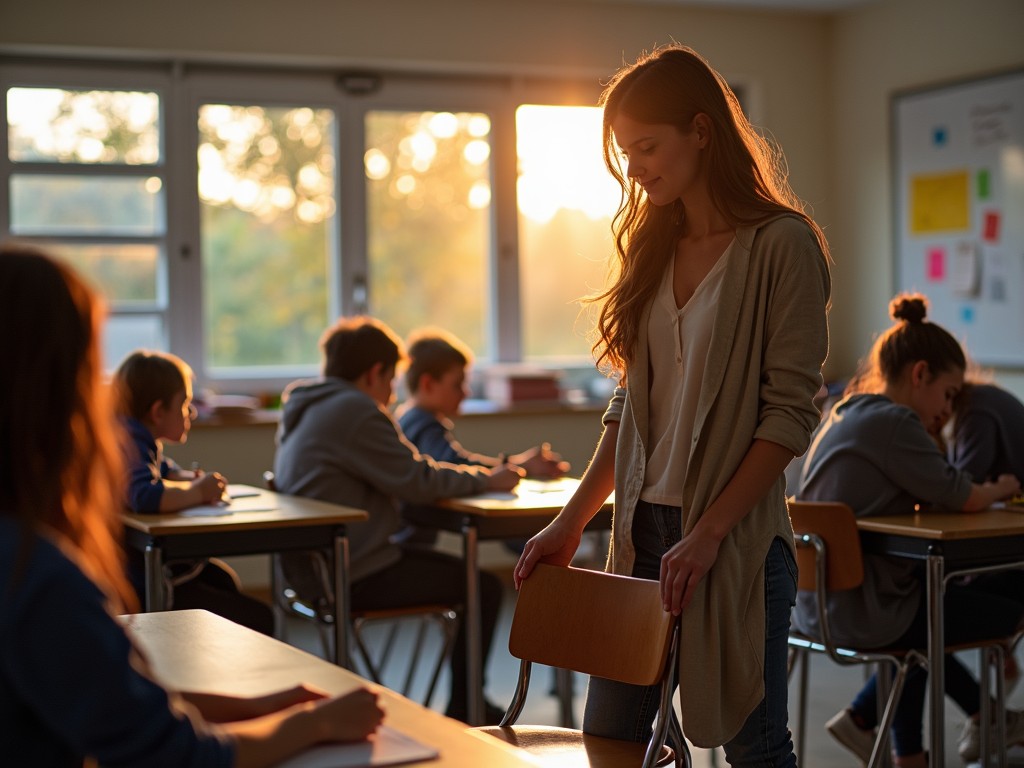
[196, 470]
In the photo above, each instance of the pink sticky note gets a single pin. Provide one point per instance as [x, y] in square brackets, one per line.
[936, 264]
[991, 230]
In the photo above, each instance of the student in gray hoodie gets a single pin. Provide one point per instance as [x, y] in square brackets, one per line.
[338, 442]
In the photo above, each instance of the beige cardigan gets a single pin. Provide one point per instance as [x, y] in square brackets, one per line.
[763, 369]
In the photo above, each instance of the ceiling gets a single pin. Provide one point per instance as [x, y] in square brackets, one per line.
[815, 6]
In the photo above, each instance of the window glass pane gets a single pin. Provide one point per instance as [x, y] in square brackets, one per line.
[86, 205]
[126, 274]
[57, 125]
[566, 202]
[266, 189]
[428, 208]
[124, 333]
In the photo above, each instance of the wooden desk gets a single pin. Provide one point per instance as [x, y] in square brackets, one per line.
[517, 514]
[199, 651]
[263, 523]
[950, 544]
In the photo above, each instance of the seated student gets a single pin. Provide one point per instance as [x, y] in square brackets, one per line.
[436, 379]
[338, 442]
[73, 688]
[154, 393]
[988, 432]
[877, 452]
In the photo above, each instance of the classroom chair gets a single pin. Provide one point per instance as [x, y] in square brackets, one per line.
[599, 624]
[829, 558]
[302, 586]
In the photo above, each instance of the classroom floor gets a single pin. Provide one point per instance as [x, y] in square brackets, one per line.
[831, 688]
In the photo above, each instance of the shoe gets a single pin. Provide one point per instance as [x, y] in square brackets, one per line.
[858, 740]
[493, 714]
[969, 744]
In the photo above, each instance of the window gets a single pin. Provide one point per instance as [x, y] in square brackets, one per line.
[85, 175]
[428, 193]
[267, 206]
[229, 214]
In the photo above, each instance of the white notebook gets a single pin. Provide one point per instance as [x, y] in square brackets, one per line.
[388, 747]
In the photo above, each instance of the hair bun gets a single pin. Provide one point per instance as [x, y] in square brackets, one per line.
[910, 307]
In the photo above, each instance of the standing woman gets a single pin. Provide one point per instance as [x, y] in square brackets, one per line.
[72, 687]
[716, 326]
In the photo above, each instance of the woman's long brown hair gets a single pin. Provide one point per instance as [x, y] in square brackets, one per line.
[747, 178]
[61, 466]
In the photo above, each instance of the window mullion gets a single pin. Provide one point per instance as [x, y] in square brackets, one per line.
[184, 273]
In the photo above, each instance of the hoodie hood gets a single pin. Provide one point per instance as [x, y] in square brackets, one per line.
[301, 395]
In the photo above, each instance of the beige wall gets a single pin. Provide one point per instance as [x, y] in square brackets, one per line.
[821, 84]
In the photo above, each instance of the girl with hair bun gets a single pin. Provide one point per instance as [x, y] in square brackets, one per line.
[877, 451]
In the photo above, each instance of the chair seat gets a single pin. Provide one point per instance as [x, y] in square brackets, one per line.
[569, 748]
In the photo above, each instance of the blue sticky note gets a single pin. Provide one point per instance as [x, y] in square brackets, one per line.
[939, 135]
[967, 314]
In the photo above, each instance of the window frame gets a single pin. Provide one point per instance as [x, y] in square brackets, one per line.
[183, 86]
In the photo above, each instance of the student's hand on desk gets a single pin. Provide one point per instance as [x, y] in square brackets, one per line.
[504, 478]
[541, 461]
[556, 544]
[352, 717]
[211, 487]
[1008, 485]
[289, 697]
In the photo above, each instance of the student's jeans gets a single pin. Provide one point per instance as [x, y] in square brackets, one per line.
[989, 606]
[623, 711]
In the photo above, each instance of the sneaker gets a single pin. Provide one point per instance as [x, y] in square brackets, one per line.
[969, 744]
[858, 740]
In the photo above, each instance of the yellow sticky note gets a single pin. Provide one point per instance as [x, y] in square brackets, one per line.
[940, 203]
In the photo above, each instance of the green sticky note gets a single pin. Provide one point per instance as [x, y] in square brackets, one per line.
[983, 184]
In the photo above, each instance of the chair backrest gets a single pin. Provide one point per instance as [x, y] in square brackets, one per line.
[835, 524]
[592, 622]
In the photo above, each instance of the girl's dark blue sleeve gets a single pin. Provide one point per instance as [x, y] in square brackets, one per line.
[79, 686]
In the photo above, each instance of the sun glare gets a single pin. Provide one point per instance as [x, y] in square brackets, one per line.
[560, 163]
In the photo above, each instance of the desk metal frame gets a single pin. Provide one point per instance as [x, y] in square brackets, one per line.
[478, 519]
[949, 549]
[305, 524]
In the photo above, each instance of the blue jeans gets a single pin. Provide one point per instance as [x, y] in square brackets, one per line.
[622, 711]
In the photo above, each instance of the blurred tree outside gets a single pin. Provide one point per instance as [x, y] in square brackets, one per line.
[266, 186]
[428, 203]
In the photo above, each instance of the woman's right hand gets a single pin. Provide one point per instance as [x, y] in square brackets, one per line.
[556, 544]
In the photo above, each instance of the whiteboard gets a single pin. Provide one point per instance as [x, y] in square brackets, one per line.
[958, 167]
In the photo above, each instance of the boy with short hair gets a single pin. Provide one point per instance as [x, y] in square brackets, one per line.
[436, 379]
[154, 396]
[338, 442]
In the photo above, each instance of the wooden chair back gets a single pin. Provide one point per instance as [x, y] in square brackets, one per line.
[592, 622]
[835, 523]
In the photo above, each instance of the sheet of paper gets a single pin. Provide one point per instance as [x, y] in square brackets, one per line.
[388, 747]
[207, 510]
[242, 491]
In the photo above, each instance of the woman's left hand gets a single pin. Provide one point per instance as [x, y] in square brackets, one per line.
[682, 568]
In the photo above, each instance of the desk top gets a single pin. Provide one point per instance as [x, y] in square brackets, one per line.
[196, 650]
[947, 526]
[263, 509]
[529, 498]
